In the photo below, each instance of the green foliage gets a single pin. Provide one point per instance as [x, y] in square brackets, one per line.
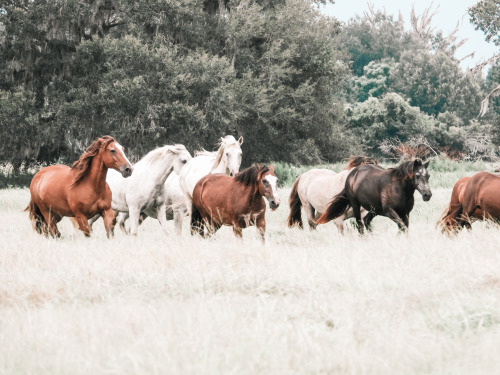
[389, 117]
[485, 16]
[182, 71]
[435, 84]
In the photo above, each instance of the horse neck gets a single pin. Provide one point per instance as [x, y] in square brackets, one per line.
[408, 186]
[221, 166]
[97, 173]
[164, 169]
[252, 195]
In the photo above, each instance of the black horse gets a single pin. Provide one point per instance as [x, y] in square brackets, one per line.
[381, 192]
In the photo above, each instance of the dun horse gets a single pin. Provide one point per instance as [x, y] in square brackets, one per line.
[314, 190]
[472, 198]
[239, 202]
[80, 191]
[381, 192]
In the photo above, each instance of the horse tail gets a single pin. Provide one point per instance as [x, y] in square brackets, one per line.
[37, 220]
[448, 220]
[337, 207]
[295, 217]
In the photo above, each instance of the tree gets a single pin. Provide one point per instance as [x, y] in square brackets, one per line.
[485, 16]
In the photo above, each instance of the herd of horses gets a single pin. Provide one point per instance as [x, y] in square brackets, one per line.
[169, 184]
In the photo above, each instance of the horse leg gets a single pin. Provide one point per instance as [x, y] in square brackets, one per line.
[196, 221]
[356, 209]
[52, 220]
[161, 215]
[93, 219]
[120, 218]
[393, 215]
[339, 222]
[179, 214]
[135, 215]
[108, 217]
[238, 231]
[261, 227]
[368, 220]
[83, 224]
[311, 215]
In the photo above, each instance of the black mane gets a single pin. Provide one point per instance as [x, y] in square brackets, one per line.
[405, 170]
[249, 176]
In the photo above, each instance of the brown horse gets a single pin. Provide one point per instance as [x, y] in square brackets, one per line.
[80, 191]
[219, 199]
[382, 192]
[472, 198]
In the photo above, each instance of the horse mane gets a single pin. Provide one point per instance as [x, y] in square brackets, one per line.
[355, 161]
[404, 170]
[82, 165]
[249, 176]
[159, 153]
[227, 141]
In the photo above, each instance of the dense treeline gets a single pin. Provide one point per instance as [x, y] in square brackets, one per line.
[299, 86]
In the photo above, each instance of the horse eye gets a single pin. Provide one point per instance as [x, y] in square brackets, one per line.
[112, 150]
[184, 161]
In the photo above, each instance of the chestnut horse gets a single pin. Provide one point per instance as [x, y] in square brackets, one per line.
[381, 192]
[472, 198]
[219, 199]
[80, 191]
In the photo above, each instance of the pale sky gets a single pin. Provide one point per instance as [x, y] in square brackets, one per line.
[448, 14]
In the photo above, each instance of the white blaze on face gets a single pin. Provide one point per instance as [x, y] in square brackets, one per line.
[273, 182]
[233, 158]
[119, 147]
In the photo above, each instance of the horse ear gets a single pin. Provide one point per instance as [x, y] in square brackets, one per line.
[271, 168]
[417, 163]
[426, 165]
[240, 141]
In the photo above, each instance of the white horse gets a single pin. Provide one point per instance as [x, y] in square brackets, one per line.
[174, 200]
[227, 159]
[315, 189]
[144, 193]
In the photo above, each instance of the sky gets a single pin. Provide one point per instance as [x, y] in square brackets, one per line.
[448, 14]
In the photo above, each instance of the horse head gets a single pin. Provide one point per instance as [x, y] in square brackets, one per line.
[268, 187]
[113, 157]
[181, 157]
[229, 154]
[420, 179]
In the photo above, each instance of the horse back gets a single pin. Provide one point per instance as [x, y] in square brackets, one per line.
[49, 188]
[481, 192]
[318, 186]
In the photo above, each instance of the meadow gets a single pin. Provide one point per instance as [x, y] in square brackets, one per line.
[303, 303]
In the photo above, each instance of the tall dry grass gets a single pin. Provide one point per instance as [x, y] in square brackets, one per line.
[305, 303]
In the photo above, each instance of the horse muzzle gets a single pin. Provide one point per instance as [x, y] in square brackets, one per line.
[126, 171]
[426, 196]
[273, 205]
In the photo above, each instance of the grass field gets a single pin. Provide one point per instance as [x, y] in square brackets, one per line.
[305, 303]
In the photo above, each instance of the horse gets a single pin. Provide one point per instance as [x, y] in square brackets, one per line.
[315, 188]
[219, 199]
[142, 192]
[227, 159]
[381, 192]
[472, 198]
[174, 200]
[80, 191]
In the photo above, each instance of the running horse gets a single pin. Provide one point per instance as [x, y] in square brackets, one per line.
[381, 192]
[472, 198]
[80, 191]
[314, 190]
[219, 199]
